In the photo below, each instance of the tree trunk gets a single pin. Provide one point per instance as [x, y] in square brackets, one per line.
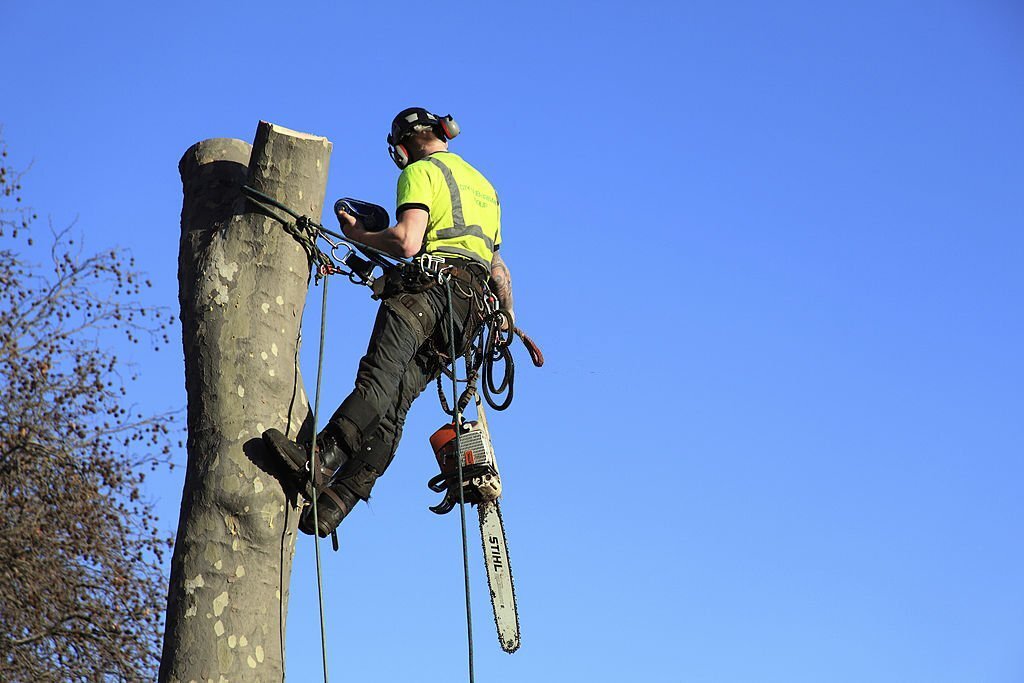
[242, 288]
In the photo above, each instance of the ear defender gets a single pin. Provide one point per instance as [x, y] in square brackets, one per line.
[450, 126]
[399, 154]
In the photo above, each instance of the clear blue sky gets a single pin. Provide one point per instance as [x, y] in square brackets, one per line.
[772, 251]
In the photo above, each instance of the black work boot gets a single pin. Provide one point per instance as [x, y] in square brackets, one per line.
[330, 456]
[351, 484]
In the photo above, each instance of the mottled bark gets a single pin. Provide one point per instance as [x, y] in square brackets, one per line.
[242, 287]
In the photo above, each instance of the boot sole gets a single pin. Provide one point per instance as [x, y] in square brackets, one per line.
[283, 447]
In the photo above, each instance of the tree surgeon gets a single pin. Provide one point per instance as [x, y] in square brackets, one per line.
[449, 211]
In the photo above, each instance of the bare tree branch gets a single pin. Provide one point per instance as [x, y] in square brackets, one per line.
[81, 587]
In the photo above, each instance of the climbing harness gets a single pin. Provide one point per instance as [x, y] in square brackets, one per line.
[489, 348]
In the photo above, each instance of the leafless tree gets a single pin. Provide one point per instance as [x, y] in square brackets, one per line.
[81, 586]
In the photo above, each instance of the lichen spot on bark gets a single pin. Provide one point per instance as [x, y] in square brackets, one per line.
[219, 603]
[273, 349]
[257, 485]
[241, 391]
[218, 628]
[227, 270]
[269, 514]
[192, 584]
[265, 307]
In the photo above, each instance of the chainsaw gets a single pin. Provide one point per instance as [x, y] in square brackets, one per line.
[481, 486]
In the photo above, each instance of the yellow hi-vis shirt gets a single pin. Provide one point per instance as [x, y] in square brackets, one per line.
[464, 214]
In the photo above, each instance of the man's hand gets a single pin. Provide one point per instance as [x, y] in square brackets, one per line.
[501, 285]
[402, 240]
[350, 225]
[508, 323]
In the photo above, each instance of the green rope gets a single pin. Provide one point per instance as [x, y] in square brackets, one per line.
[458, 460]
[312, 481]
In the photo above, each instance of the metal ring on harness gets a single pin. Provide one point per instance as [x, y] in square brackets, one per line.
[349, 250]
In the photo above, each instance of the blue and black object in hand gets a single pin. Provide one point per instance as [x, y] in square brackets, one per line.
[374, 218]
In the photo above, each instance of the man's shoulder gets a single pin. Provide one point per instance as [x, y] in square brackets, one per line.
[455, 160]
[420, 172]
[440, 164]
[458, 163]
[418, 167]
[449, 159]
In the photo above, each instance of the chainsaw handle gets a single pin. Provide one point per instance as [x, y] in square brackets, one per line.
[439, 483]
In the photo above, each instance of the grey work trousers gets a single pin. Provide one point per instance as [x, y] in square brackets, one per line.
[399, 363]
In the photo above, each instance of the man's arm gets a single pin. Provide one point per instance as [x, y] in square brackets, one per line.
[501, 283]
[404, 239]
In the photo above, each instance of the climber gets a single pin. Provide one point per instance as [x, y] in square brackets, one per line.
[449, 211]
